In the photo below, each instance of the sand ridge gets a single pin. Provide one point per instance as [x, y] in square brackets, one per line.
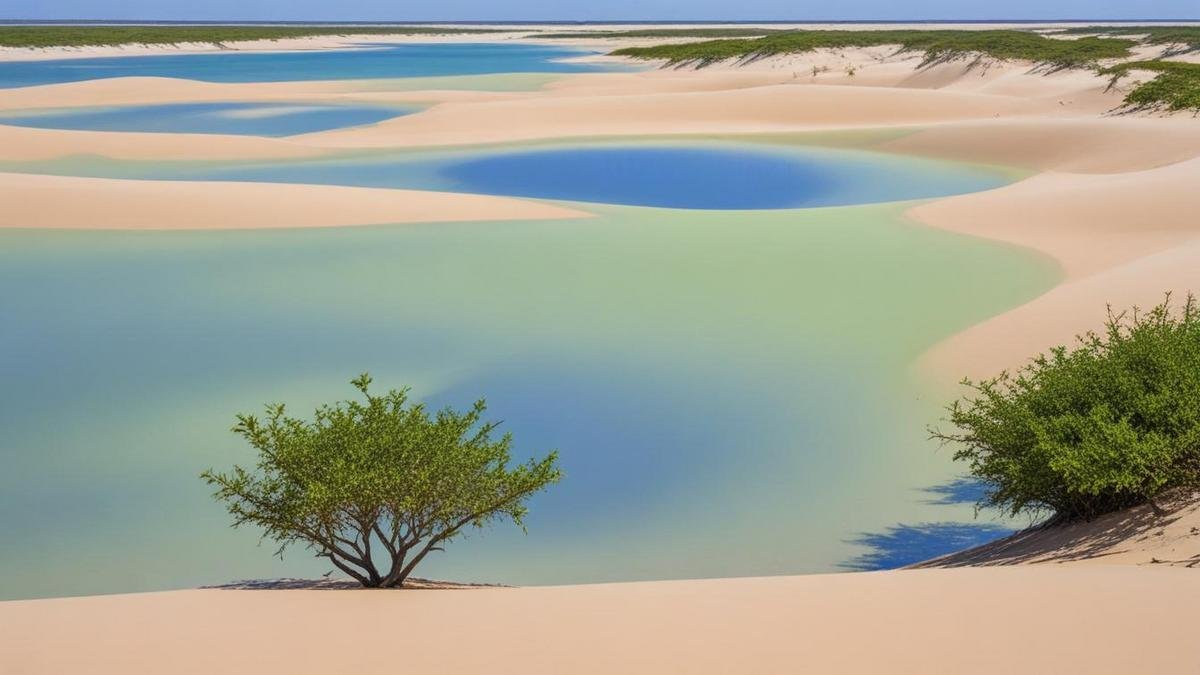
[64, 202]
[993, 620]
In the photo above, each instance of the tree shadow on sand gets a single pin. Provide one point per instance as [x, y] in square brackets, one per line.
[958, 491]
[336, 584]
[902, 545]
[1107, 535]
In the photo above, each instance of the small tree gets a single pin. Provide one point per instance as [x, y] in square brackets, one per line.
[1109, 424]
[376, 485]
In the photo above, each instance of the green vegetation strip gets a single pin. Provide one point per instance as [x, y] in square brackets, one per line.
[90, 36]
[1177, 86]
[668, 33]
[937, 45]
[1187, 37]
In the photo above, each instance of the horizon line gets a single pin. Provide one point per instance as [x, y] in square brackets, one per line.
[399, 22]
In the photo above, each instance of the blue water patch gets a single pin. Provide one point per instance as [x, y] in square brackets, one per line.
[253, 119]
[695, 178]
[684, 175]
[367, 62]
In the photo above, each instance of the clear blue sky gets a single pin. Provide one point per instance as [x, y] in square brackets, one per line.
[583, 10]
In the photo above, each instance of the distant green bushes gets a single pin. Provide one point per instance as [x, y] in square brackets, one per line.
[1109, 424]
[936, 45]
[1187, 38]
[665, 33]
[91, 36]
[1176, 87]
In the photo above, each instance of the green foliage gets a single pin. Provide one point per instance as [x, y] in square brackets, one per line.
[1080, 432]
[936, 45]
[380, 479]
[666, 33]
[1176, 87]
[88, 36]
[1187, 38]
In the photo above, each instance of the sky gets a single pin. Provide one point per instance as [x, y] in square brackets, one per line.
[591, 10]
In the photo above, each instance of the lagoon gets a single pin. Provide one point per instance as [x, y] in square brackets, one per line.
[253, 119]
[366, 62]
[683, 174]
[732, 391]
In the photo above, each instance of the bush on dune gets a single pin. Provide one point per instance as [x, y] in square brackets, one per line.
[1111, 423]
[377, 485]
[1176, 86]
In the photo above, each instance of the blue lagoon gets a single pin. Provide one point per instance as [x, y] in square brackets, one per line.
[242, 118]
[723, 354]
[367, 62]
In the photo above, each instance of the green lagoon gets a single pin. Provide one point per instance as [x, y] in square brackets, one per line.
[732, 392]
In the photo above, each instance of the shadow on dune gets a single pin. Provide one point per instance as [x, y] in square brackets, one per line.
[958, 491]
[904, 545]
[328, 584]
[1112, 534]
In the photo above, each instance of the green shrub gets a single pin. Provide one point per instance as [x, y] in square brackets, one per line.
[376, 485]
[1176, 87]
[1080, 432]
[664, 33]
[936, 45]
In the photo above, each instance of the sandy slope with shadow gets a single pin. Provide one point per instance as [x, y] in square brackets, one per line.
[1135, 536]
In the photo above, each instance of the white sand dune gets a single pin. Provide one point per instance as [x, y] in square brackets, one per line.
[1030, 619]
[1121, 238]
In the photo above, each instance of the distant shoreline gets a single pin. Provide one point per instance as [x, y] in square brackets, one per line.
[532, 22]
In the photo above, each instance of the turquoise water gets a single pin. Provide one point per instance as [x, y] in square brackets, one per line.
[731, 391]
[252, 119]
[728, 377]
[367, 62]
[692, 174]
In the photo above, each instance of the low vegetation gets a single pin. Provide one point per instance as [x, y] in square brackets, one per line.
[377, 485]
[666, 33]
[93, 36]
[1175, 88]
[1181, 39]
[936, 45]
[1112, 423]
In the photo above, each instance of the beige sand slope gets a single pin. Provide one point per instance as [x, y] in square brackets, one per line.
[1135, 536]
[1121, 238]
[93, 203]
[1031, 619]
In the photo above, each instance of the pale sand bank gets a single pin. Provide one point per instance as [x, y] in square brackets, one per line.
[310, 43]
[119, 91]
[1032, 619]
[1135, 536]
[98, 203]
